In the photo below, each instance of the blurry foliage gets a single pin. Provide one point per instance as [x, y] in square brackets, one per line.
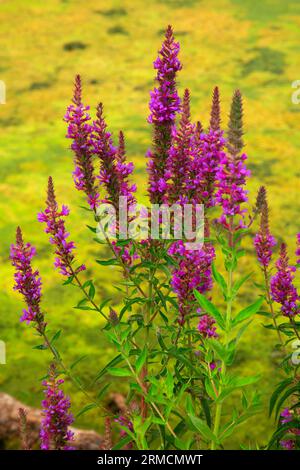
[265, 60]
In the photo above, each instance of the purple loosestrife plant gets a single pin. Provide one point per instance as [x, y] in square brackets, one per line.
[283, 290]
[27, 281]
[114, 170]
[164, 106]
[232, 173]
[264, 241]
[80, 131]
[193, 272]
[179, 157]
[207, 154]
[288, 416]
[55, 433]
[175, 338]
[55, 226]
[298, 249]
[284, 293]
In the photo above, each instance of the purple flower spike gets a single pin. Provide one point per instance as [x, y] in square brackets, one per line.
[165, 102]
[298, 248]
[283, 290]
[287, 416]
[193, 272]
[179, 159]
[27, 281]
[54, 432]
[55, 226]
[233, 171]
[207, 155]
[207, 328]
[263, 240]
[80, 131]
[164, 105]
[114, 170]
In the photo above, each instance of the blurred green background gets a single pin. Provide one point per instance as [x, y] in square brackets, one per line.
[248, 44]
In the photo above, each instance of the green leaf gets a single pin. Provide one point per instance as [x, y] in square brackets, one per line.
[281, 387]
[219, 349]
[189, 405]
[68, 281]
[83, 305]
[141, 360]
[122, 443]
[86, 408]
[169, 384]
[209, 389]
[243, 381]
[102, 391]
[119, 372]
[290, 391]
[202, 427]
[112, 363]
[41, 347]
[248, 312]
[55, 336]
[219, 279]
[74, 364]
[92, 291]
[210, 308]
[107, 262]
[92, 229]
[238, 284]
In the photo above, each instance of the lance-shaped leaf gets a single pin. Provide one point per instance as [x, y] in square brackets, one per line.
[248, 312]
[209, 307]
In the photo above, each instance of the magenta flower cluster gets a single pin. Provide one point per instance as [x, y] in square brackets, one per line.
[179, 156]
[27, 280]
[287, 416]
[114, 170]
[298, 248]
[80, 131]
[55, 433]
[207, 327]
[264, 240]
[231, 194]
[125, 422]
[207, 156]
[164, 100]
[91, 140]
[193, 272]
[263, 244]
[283, 290]
[55, 226]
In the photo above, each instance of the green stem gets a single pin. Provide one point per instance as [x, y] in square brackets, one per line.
[270, 303]
[223, 365]
[218, 412]
[60, 362]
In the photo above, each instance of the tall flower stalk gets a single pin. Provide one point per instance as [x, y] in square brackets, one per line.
[55, 226]
[231, 194]
[264, 243]
[55, 433]
[164, 105]
[27, 281]
[80, 131]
